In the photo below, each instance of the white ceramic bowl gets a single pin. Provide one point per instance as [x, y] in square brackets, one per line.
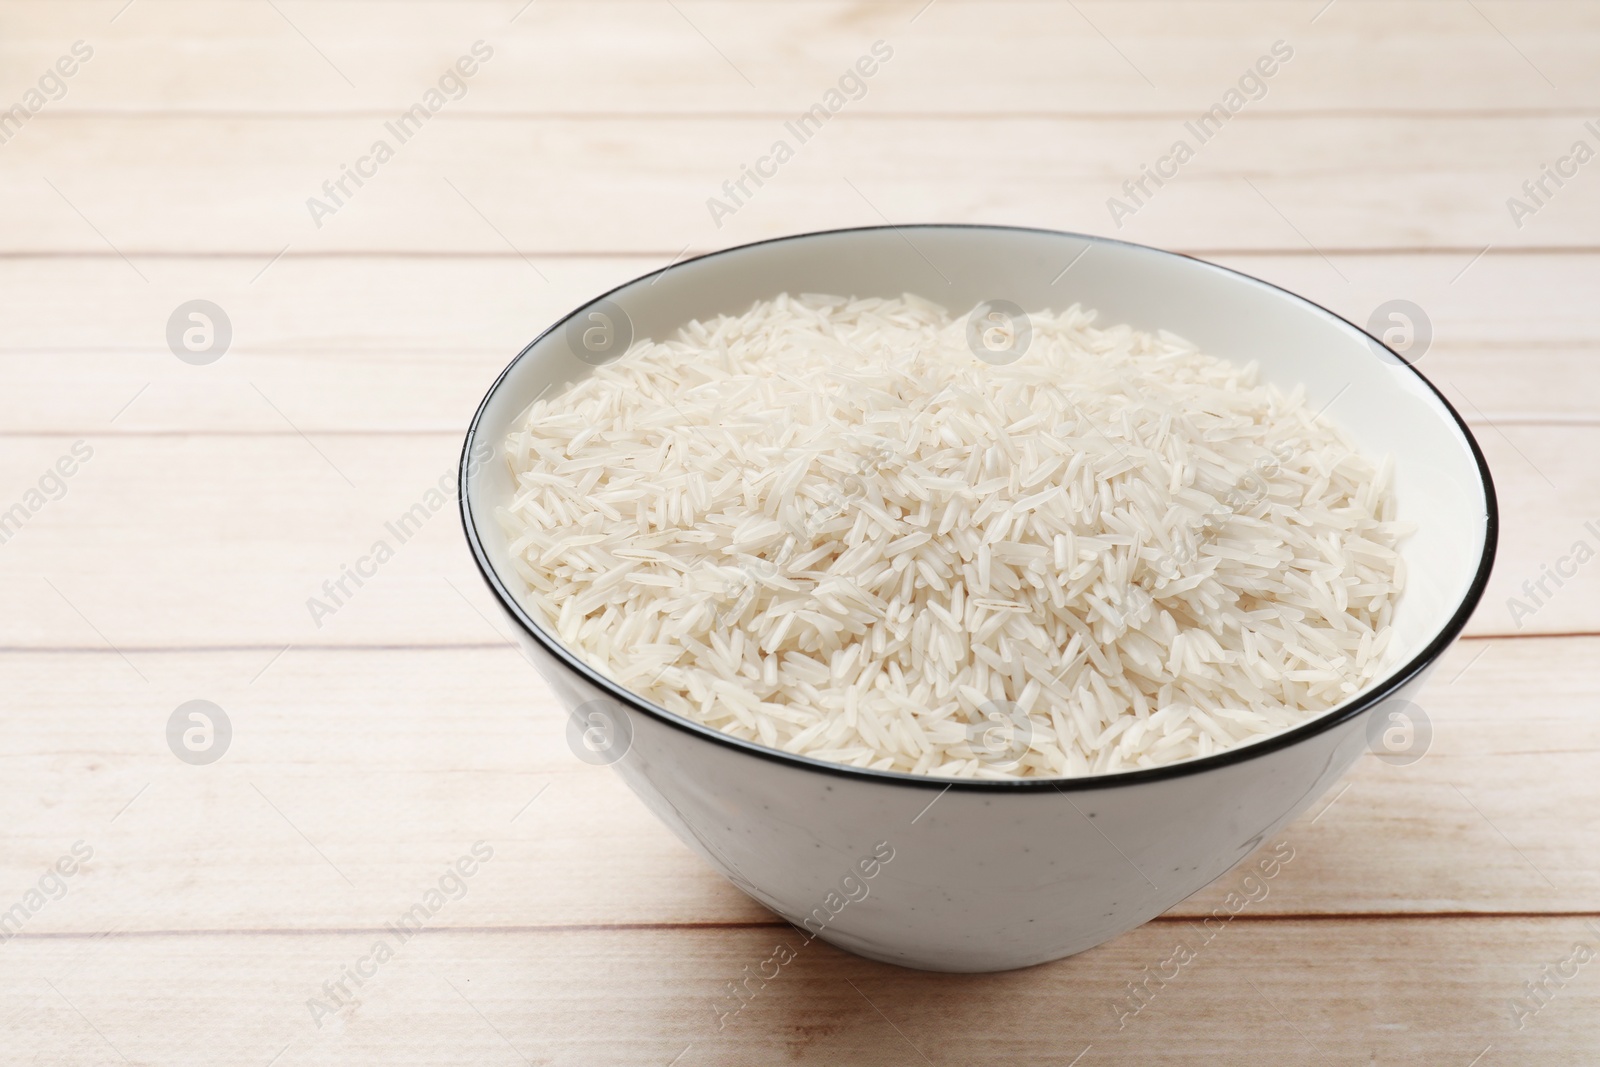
[990, 875]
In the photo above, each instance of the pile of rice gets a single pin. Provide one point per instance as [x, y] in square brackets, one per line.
[825, 526]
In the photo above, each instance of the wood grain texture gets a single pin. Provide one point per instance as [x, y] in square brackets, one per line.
[373, 750]
[467, 183]
[1430, 991]
[560, 56]
[204, 540]
[1514, 333]
[391, 763]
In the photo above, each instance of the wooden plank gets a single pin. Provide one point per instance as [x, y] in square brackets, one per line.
[563, 57]
[319, 334]
[353, 776]
[473, 184]
[224, 540]
[1280, 992]
[436, 391]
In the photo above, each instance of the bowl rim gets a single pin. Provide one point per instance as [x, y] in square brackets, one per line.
[636, 704]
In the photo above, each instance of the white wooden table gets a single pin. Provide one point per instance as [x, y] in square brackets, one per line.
[371, 751]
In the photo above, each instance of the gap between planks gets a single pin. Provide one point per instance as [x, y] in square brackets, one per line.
[691, 254]
[1512, 419]
[1298, 114]
[766, 924]
[493, 646]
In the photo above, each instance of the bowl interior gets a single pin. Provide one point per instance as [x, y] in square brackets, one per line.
[1384, 405]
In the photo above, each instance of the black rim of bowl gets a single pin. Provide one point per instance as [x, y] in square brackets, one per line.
[635, 704]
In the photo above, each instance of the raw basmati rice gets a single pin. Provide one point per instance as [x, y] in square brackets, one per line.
[826, 527]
